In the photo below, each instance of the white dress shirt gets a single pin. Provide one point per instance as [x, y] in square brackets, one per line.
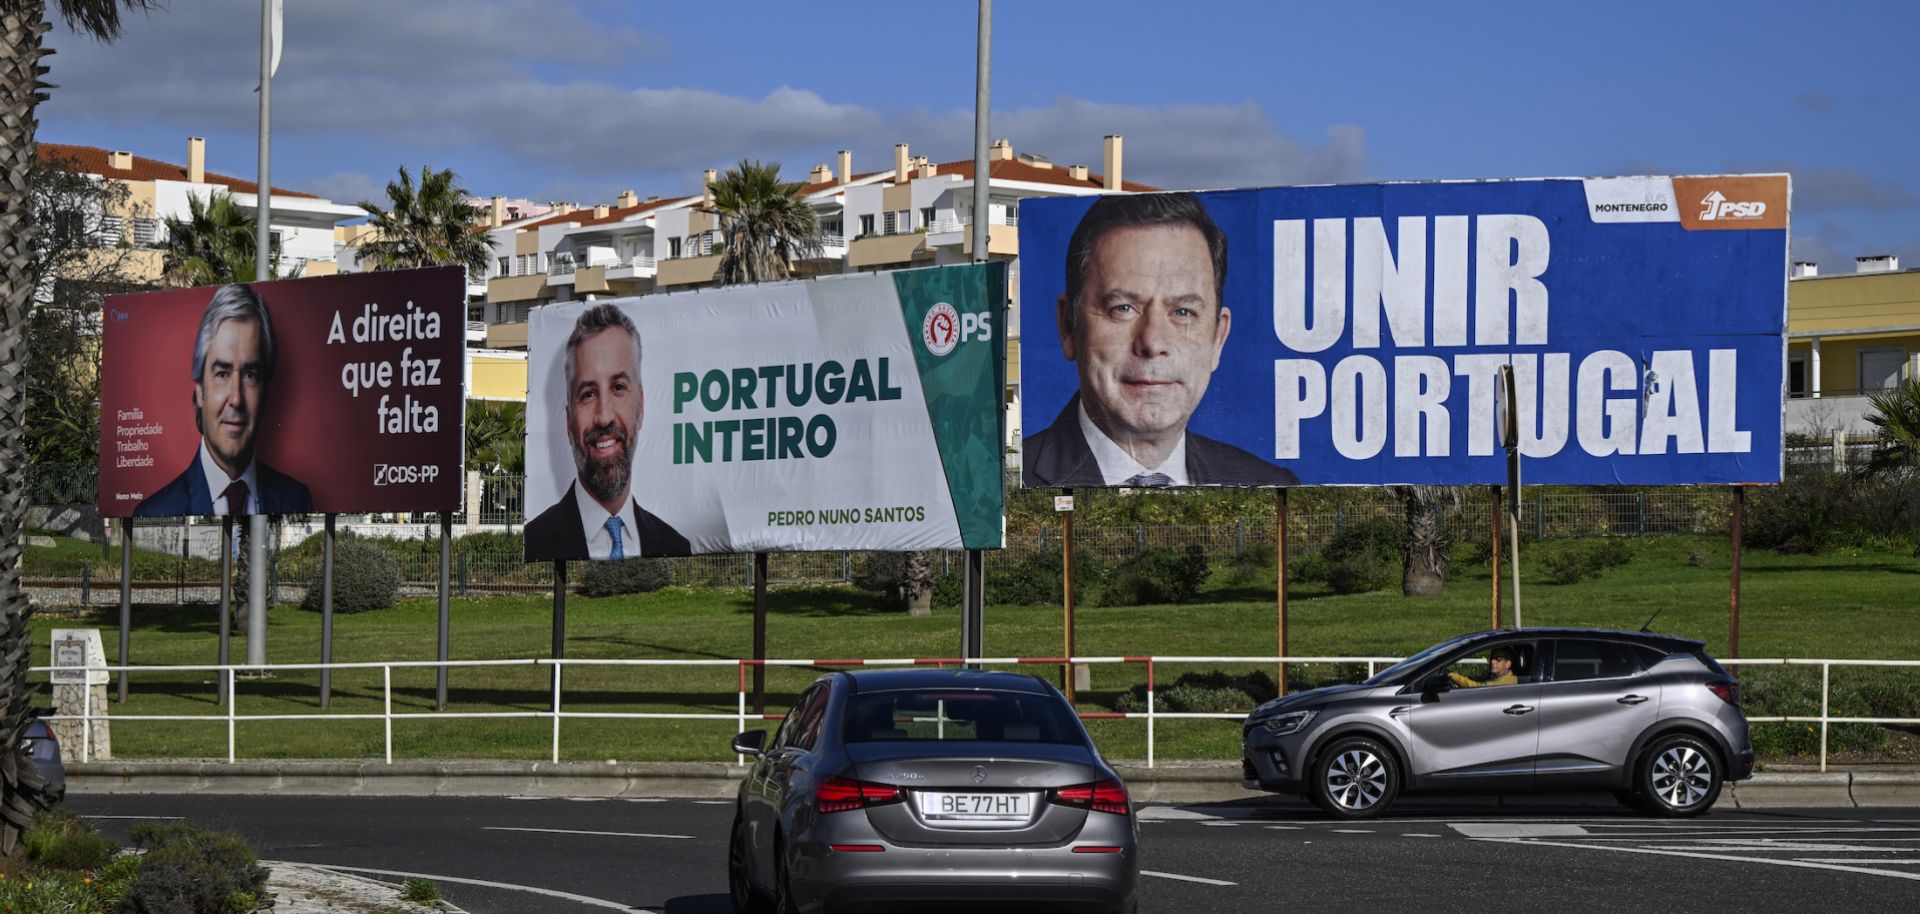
[593, 518]
[1117, 466]
[218, 481]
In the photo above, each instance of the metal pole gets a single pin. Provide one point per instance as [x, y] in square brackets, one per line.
[1066, 593]
[1280, 580]
[126, 599]
[1733, 605]
[559, 633]
[973, 613]
[759, 632]
[326, 614]
[226, 600]
[1494, 519]
[446, 567]
[262, 268]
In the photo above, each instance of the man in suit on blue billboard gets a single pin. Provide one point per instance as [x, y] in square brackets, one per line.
[233, 363]
[1144, 320]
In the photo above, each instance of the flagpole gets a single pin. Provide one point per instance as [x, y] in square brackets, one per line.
[262, 253]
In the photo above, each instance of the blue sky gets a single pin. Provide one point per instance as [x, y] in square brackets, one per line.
[580, 99]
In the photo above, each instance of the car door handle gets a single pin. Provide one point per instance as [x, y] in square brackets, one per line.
[1632, 699]
[1518, 710]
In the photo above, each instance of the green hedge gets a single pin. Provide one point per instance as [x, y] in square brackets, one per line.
[365, 578]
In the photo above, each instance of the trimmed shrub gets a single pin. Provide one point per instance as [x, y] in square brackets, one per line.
[1565, 564]
[60, 839]
[1155, 576]
[365, 578]
[1211, 692]
[626, 576]
[1364, 557]
[189, 871]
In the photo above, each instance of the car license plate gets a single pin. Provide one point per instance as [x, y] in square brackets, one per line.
[978, 806]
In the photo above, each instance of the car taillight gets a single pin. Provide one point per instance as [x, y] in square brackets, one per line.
[1727, 690]
[837, 794]
[1105, 796]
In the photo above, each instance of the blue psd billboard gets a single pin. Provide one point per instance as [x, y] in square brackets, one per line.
[1353, 335]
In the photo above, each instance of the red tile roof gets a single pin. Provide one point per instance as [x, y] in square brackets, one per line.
[810, 189]
[1016, 170]
[93, 160]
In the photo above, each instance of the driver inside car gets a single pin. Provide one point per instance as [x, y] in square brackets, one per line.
[1499, 667]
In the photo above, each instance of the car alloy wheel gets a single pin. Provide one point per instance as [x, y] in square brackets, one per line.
[1356, 778]
[783, 902]
[739, 887]
[1681, 777]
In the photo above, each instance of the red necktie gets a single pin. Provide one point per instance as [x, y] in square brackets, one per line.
[236, 496]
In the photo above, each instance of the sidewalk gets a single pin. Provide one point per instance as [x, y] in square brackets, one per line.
[301, 888]
[1167, 782]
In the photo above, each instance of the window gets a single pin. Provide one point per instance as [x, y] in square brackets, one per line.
[506, 266]
[960, 715]
[1881, 368]
[1479, 668]
[673, 248]
[1577, 659]
[832, 229]
[887, 223]
[802, 725]
[1797, 376]
[926, 217]
[866, 224]
[476, 313]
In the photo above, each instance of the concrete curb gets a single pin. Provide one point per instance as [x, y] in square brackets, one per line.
[1167, 782]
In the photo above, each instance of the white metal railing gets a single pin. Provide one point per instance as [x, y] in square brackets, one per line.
[952, 224]
[556, 710]
[560, 268]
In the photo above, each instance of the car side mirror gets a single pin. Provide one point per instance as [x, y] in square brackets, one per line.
[752, 742]
[1436, 684]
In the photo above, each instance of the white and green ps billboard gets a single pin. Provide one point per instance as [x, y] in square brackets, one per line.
[857, 412]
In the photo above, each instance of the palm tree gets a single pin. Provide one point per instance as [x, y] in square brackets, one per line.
[765, 225]
[213, 245]
[1424, 560]
[1896, 417]
[22, 23]
[428, 225]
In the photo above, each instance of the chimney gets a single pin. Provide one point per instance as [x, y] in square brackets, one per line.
[1113, 162]
[1077, 172]
[846, 165]
[120, 161]
[927, 169]
[499, 217]
[601, 211]
[563, 208]
[1876, 263]
[196, 160]
[1803, 269]
[706, 186]
[821, 174]
[1001, 151]
[629, 198]
[900, 174]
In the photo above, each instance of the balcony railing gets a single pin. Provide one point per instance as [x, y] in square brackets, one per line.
[955, 225]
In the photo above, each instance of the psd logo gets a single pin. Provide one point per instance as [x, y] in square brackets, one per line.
[945, 328]
[1719, 207]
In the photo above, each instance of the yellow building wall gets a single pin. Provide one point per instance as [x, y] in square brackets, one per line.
[1857, 302]
[495, 378]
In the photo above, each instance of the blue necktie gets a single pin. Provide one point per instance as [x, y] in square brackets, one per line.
[1150, 480]
[613, 528]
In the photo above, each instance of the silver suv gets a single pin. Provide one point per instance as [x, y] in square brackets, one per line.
[1649, 717]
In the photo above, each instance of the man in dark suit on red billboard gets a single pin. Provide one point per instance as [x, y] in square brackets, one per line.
[233, 362]
[599, 518]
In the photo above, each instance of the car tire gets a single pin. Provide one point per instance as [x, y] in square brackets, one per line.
[783, 902]
[1678, 776]
[1355, 778]
[740, 891]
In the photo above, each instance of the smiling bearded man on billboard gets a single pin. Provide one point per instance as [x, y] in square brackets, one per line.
[1144, 319]
[598, 517]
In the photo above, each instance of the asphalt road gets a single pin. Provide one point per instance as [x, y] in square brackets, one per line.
[546, 856]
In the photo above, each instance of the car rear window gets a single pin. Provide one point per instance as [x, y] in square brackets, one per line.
[960, 715]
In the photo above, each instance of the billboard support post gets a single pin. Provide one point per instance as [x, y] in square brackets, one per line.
[1493, 520]
[1280, 582]
[1506, 415]
[973, 613]
[1066, 594]
[1733, 603]
[759, 632]
[126, 599]
[226, 603]
[446, 567]
[559, 619]
[262, 268]
[326, 614]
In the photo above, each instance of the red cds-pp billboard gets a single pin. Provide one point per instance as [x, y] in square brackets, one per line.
[336, 394]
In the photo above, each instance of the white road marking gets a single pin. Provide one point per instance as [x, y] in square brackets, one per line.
[1171, 813]
[1771, 845]
[1768, 861]
[1517, 829]
[1200, 879]
[1353, 831]
[714, 802]
[1284, 827]
[569, 831]
[1415, 834]
[149, 818]
[1872, 860]
[536, 890]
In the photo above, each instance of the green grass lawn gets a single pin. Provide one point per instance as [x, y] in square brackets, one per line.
[1838, 605]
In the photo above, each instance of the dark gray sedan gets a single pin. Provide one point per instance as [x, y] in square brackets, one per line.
[910, 789]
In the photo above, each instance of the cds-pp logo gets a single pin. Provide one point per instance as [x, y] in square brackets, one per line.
[944, 328]
[1719, 207]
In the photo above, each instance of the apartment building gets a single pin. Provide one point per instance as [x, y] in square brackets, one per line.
[302, 223]
[1848, 337]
